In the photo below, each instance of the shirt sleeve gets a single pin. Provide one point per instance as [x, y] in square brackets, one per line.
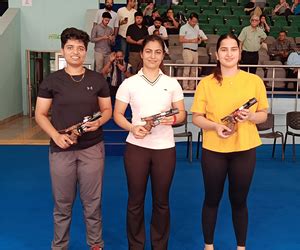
[182, 31]
[116, 24]
[94, 33]
[199, 103]
[150, 32]
[202, 35]
[128, 32]
[242, 36]
[178, 94]
[123, 92]
[261, 95]
[164, 32]
[45, 90]
[104, 91]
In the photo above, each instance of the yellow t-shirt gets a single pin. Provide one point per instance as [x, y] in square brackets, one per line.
[219, 100]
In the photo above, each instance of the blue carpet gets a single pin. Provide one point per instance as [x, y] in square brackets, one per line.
[26, 204]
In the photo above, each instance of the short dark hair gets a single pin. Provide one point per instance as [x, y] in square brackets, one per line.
[158, 19]
[74, 34]
[106, 15]
[138, 13]
[194, 15]
[283, 31]
[154, 10]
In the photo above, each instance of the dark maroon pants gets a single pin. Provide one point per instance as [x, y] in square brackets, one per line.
[159, 165]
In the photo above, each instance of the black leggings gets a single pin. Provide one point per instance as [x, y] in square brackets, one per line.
[239, 166]
[140, 163]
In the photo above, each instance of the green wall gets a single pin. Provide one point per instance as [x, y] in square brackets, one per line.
[42, 22]
[10, 61]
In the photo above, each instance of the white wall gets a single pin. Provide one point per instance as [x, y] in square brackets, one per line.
[41, 24]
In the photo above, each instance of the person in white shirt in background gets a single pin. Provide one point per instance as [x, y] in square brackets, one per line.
[126, 18]
[190, 35]
[293, 59]
[114, 21]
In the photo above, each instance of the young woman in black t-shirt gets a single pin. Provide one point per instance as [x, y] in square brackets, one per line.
[76, 157]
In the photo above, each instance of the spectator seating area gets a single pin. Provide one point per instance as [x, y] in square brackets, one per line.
[207, 56]
[217, 17]
[221, 16]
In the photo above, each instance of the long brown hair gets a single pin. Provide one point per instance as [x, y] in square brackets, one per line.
[217, 71]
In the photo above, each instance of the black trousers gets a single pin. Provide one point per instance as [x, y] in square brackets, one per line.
[239, 167]
[140, 163]
[249, 58]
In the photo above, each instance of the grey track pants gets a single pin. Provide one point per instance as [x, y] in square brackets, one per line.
[82, 170]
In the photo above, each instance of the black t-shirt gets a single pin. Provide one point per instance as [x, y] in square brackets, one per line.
[136, 34]
[72, 101]
[249, 6]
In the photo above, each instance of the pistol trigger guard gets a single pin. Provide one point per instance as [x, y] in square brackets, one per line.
[156, 122]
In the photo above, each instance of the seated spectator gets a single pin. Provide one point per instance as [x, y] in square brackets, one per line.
[170, 22]
[282, 9]
[281, 48]
[116, 70]
[162, 30]
[167, 57]
[148, 9]
[263, 24]
[149, 21]
[293, 59]
[135, 35]
[296, 7]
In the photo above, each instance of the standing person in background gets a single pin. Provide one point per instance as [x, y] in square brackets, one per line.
[126, 18]
[228, 151]
[135, 36]
[190, 35]
[149, 153]
[76, 161]
[103, 37]
[114, 21]
[251, 38]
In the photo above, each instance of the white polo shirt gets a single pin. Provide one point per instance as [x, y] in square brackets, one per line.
[146, 99]
[162, 31]
[113, 22]
[122, 13]
[189, 32]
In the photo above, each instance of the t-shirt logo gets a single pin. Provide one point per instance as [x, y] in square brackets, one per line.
[89, 87]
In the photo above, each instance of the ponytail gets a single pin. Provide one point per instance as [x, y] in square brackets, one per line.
[217, 73]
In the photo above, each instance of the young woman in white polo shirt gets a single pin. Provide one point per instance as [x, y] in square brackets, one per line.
[149, 153]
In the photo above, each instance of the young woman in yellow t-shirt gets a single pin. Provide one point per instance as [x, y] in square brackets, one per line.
[228, 151]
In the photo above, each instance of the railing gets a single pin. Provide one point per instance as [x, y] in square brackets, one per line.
[272, 90]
